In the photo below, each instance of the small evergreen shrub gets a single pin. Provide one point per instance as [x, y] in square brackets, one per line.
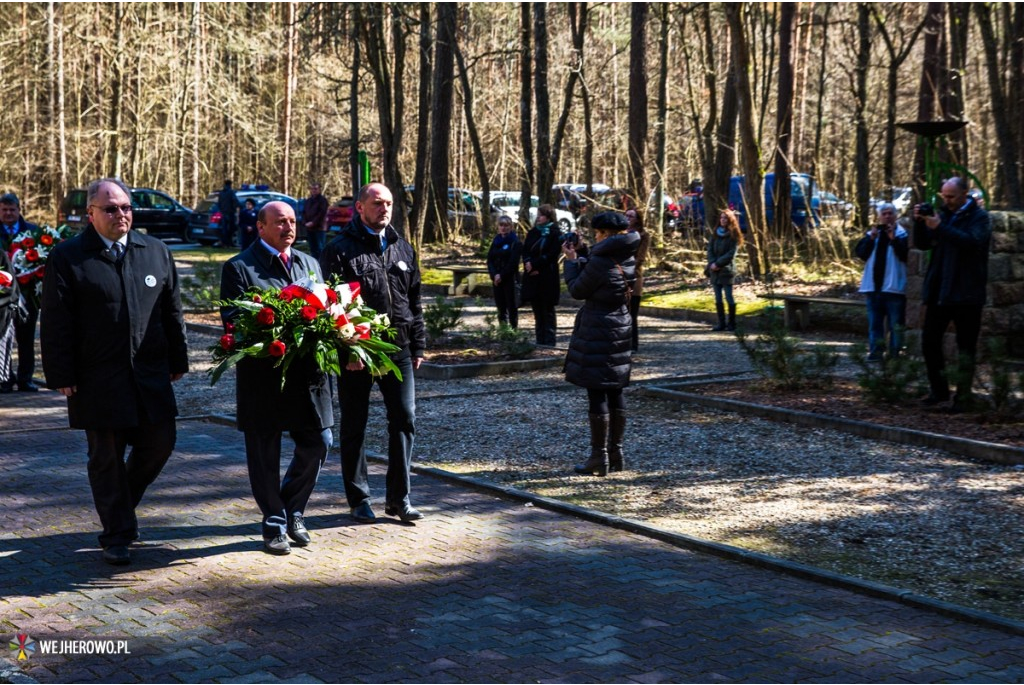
[441, 317]
[200, 290]
[783, 361]
[894, 380]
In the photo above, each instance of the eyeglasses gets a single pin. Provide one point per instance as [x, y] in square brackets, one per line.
[114, 209]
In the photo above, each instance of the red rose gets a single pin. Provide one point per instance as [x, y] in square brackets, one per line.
[27, 242]
[332, 296]
[24, 279]
[277, 349]
[40, 272]
[308, 313]
[286, 295]
[32, 255]
[257, 299]
[227, 342]
[229, 327]
[46, 239]
[265, 316]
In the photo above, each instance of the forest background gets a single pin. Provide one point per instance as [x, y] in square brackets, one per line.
[650, 97]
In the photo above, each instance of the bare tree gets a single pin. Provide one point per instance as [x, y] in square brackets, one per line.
[929, 88]
[784, 123]
[436, 218]
[474, 137]
[526, 110]
[423, 122]
[660, 124]
[638, 105]
[542, 127]
[1008, 142]
[289, 91]
[861, 98]
[750, 151]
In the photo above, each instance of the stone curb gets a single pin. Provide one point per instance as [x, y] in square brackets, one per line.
[11, 673]
[965, 447]
[730, 552]
[205, 328]
[444, 372]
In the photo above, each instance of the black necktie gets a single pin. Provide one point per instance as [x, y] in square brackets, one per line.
[117, 250]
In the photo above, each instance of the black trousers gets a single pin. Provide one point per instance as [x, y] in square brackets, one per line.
[278, 499]
[544, 321]
[25, 339]
[400, 404]
[634, 314]
[967, 320]
[505, 301]
[119, 484]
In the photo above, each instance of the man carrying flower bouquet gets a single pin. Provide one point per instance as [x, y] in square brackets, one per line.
[265, 406]
[11, 225]
[113, 341]
[371, 252]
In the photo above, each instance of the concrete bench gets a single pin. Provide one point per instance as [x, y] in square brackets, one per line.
[466, 278]
[797, 308]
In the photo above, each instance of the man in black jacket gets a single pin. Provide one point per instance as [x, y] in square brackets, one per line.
[314, 218]
[11, 224]
[264, 409]
[954, 285]
[370, 251]
[227, 203]
[113, 341]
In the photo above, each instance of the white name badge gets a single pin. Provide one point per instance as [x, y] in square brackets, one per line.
[151, 281]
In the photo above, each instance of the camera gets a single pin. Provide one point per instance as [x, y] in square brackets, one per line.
[571, 239]
[925, 209]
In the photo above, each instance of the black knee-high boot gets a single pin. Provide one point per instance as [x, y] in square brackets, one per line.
[597, 464]
[616, 431]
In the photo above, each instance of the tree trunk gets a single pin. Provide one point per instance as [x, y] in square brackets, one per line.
[860, 115]
[577, 27]
[526, 184]
[289, 90]
[353, 121]
[423, 124]
[436, 219]
[929, 83]
[545, 172]
[750, 153]
[784, 124]
[474, 140]
[1008, 151]
[197, 43]
[638, 106]
[62, 143]
[660, 142]
[819, 110]
[953, 94]
[113, 155]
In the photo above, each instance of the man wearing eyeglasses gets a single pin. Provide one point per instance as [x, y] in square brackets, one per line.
[113, 341]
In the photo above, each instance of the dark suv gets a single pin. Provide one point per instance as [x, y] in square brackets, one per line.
[153, 212]
[204, 226]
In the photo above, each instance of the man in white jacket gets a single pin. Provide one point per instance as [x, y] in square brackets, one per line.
[884, 283]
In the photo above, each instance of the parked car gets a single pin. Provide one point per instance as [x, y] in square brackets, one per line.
[340, 213]
[573, 197]
[827, 205]
[153, 212]
[620, 199]
[204, 226]
[902, 198]
[465, 209]
[507, 202]
[801, 187]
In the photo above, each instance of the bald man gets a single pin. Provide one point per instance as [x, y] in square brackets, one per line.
[264, 410]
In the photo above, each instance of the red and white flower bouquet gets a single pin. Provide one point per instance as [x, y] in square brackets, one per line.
[305, 318]
[6, 281]
[29, 252]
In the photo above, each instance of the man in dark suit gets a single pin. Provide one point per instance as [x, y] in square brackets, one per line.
[227, 203]
[113, 341]
[314, 218]
[264, 410]
[11, 224]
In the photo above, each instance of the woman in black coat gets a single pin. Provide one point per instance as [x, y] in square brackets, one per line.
[599, 357]
[540, 266]
[503, 266]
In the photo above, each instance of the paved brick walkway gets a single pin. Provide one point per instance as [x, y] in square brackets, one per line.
[483, 590]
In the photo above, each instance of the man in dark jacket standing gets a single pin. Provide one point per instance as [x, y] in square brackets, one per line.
[954, 285]
[314, 218]
[11, 224]
[113, 341]
[227, 203]
[370, 251]
[264, 409]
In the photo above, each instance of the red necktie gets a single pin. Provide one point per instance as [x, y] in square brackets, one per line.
[284, 258]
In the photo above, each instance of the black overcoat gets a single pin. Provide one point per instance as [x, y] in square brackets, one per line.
[305, 402]
[958, 268]
[542, 251]
[600, 354]
[113, 330]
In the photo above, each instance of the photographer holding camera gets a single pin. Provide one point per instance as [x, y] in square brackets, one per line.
[884, 251]
[954, 286]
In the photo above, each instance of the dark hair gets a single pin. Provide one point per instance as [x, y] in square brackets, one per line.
[548, 211]
[609, 222]
[9, 199]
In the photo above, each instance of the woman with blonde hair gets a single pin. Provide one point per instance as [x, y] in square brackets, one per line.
[722, 246]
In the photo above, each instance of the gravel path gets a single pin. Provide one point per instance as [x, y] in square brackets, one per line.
[924, 520]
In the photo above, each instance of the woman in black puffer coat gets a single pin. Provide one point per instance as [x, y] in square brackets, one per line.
[599, 357]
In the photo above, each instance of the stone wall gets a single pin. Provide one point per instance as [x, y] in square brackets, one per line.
[1004, 308]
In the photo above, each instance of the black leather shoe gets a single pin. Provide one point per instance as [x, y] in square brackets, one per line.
[297, 531]
[28, 386]
[117, 555]
[404, 512]
[277, 545]
[363, 513]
